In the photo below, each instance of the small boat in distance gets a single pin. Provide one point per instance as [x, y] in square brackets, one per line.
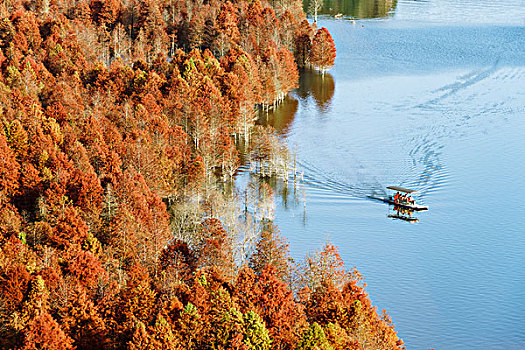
[402, 198]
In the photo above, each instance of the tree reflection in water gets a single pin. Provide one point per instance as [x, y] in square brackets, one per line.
[281, 117]
[311, 84]
[314, 87]
[320, 86]
[360, 9]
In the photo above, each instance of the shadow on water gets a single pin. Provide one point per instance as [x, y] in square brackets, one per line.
[400, 213]
[315, 89]
[360, 9]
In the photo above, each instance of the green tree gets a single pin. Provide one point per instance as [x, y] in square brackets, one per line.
[314, 338]
[256, 335]
[162, 336]
[190, 326]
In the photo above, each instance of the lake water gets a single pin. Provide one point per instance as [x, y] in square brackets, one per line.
[428, 95]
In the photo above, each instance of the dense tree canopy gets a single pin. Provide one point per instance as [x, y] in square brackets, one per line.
[116, 118]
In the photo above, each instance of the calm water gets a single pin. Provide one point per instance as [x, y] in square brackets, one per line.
[431, 96]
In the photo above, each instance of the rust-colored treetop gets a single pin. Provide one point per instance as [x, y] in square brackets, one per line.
[323, 50]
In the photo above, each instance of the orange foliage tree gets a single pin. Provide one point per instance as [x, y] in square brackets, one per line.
[322, 55]
[45, 333]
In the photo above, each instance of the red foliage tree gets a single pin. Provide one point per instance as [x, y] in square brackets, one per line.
[326, 305]
[44, 333]
[141, 339]
[137, 299]
[322, 55]
[141, 221]
[178, 259]
[105, 12]
[288, 74]
[215, 250]
[14, 282]
[271, 249]
[227, 24]
[9, 171]
[85, 191]
[69, 229]
[82, 321]
[86, 267]
[274, 302]
[303, 43]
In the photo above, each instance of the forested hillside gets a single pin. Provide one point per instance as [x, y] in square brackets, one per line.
[116, 120]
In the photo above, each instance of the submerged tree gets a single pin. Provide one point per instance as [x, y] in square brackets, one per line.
[314, 6]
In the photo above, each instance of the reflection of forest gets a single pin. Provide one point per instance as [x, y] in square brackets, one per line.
[311, 84]
[314, 87]
[281, 117]
[356, 8]
[320, 86]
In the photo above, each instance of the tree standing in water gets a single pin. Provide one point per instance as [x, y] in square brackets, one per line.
[315, 6]
[322, 55]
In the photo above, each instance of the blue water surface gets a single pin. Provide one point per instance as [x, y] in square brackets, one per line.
[431, 97]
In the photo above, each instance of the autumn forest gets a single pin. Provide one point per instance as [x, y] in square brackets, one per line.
[120, 128]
